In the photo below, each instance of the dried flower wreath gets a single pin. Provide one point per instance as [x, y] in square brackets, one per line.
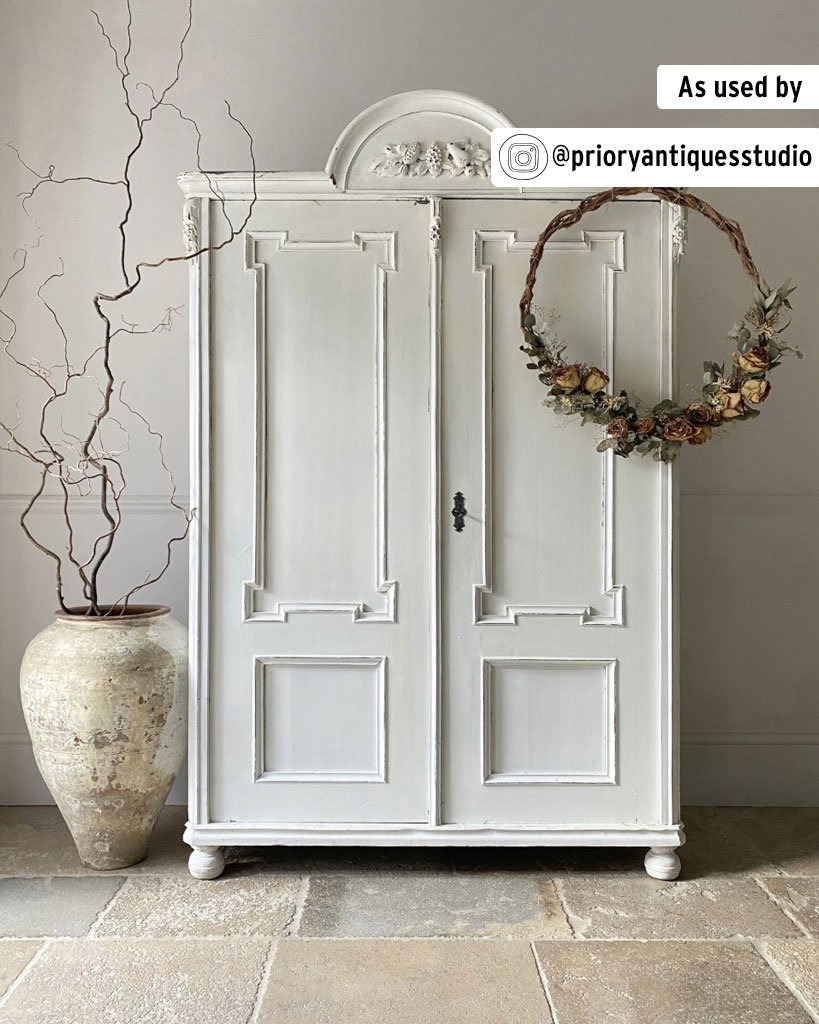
[727, 394]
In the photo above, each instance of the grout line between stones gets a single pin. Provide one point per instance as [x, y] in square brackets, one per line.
[544, 983]
[92, 931]
[781, 906]
[263, 982]
[18, 980]
[570, 918]
[761, 948]
[301, 902]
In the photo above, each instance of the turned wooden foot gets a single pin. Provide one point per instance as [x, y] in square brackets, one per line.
[662, 862]
[206, 862]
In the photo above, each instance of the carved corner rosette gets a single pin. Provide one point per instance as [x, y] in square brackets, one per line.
[190, 226]
[463, 158]
[679, 232]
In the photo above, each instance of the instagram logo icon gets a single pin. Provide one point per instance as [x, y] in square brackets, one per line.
[523, 156]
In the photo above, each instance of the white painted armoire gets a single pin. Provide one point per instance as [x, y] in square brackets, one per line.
[424, 610]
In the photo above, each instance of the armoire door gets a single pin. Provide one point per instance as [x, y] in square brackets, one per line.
[318, 523]
[554, 655]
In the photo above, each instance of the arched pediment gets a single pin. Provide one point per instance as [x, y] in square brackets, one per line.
[417, 141]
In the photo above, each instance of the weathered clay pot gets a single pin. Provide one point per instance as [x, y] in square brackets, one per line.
[105, 704]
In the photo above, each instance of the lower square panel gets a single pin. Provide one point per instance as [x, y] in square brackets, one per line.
[320, 719]
[548, 720]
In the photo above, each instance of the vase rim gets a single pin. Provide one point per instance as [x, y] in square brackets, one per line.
[78, 614]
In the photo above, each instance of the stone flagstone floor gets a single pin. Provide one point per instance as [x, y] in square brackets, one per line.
[415, 937]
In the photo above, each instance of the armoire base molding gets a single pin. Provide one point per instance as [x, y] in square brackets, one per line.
[207, 860]
[434, 835]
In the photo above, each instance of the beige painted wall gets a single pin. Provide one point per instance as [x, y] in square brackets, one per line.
[297, 71]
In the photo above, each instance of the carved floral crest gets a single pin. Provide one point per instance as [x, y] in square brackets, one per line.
[464, 157]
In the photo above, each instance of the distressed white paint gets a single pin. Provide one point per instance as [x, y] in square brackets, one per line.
[374, 676]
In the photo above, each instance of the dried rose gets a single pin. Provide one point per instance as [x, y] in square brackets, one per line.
[699, 412]
[618, 427]
[595, 380]
[644, 425]
[755, 359]
[755, 390]
[702, 433]
[678, 429]
[729, 404]
[567, 378]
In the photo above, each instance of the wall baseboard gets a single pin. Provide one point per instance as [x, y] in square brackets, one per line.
[750, 769]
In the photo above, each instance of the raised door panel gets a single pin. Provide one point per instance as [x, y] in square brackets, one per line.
[319, 516]
[554, 682]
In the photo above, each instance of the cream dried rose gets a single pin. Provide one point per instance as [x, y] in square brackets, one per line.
[730, 404]
[567, 378]
[755, 359]
[755, 390]
[595, 380]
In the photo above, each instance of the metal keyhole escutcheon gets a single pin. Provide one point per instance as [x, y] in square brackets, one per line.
[458, 511]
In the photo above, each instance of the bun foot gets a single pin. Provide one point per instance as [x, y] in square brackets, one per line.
[662, 862]
[206, 862]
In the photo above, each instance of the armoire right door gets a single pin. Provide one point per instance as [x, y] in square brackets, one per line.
[555, 648]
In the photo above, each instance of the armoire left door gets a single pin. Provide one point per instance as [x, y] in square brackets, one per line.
[317, 515]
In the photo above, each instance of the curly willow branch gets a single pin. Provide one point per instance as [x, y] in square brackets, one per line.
[567, 218]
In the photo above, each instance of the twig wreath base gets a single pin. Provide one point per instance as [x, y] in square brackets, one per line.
[728, 394]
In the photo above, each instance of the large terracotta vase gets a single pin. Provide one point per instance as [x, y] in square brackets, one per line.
[105, 704]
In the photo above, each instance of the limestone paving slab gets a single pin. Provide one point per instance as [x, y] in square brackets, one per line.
[717, 845]
[156, 907]
[664, 983]
[797, 960]
[163, 981]
[626, 907]
[34, 907]
[799, 896]
[35, 841]
[433, 904]
[789, 836]
[396, 982]
[14, 955]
